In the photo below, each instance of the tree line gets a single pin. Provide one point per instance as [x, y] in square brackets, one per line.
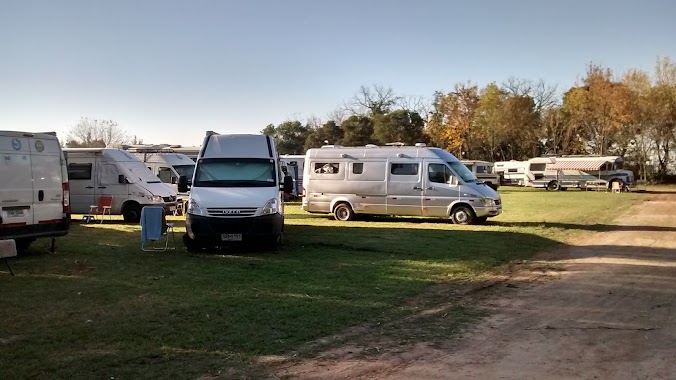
[631, 115]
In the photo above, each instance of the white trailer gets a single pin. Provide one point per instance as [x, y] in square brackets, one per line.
[294, 165]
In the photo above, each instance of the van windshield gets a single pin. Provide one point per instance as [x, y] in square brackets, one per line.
[462, 171]
[235, 172]
[185, 170]
[138, 172]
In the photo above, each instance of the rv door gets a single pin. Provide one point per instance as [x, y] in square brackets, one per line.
[404, 188]
[82, 182]
[441, 189]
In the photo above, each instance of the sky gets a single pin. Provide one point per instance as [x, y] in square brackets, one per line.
[168, 71]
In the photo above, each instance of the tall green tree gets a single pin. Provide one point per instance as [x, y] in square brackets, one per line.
[357, 131]
[289, 136]
[399, 126]
[327, 133]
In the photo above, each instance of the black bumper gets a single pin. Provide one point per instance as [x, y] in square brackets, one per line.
[35, 231]
[208, 230]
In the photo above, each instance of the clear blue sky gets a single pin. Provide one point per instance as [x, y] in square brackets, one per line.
[167, 71]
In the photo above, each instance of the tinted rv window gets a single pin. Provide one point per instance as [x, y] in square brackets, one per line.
[404, 169]
[326, 167]
[512, 170]
[538, 167]
[439, 173]
[79, 171]
[481, 169]
[357, 168]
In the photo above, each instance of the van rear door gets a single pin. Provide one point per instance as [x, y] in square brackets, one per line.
[16, 186]
[47, 181]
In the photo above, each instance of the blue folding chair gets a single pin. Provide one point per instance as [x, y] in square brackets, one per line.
[154, 227]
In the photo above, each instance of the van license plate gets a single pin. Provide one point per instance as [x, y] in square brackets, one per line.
[14, 213]
[231, 237]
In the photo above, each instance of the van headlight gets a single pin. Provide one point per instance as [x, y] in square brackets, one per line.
[194, 208]
[272, 207]
[155, 198]
[487, 202]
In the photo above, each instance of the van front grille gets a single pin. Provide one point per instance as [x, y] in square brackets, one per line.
[231, 212]
[169, 199]
[497, 202]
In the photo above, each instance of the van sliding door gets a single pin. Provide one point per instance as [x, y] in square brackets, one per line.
[82, 184]
[404, 188]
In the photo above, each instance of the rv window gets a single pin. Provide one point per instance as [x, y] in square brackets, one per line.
[326, 168]
[538, 167]
[512, 170]
[79, 171]
[481, 169]
[165, 175]
[404, 169]
[357, 168]
[439, 173]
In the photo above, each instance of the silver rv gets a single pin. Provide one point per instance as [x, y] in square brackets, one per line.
[394, 180]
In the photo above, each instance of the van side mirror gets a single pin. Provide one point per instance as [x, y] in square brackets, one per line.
[182, 184]
[288, 184]
[121, 179]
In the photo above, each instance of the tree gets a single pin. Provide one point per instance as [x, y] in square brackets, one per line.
[327, 133]
[399, 126]
[663, 99]
[289, 136]
[450, 125]
[372, 100]
[93, 133]
[357, 131]
[600, 107]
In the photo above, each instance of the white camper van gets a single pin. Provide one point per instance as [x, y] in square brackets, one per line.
[168, 166]
[294, 164]
[395, 180]
[483, 170]
[236, 193]
[512, 172]
[34, 198]
[94, 172]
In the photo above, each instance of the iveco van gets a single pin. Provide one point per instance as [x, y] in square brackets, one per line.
[236, 194]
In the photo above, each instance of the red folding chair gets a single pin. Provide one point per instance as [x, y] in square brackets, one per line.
[105, 203]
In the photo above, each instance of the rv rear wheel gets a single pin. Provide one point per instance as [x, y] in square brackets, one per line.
[553, 186]
[343, 212]
[463, 215]
[131, 213]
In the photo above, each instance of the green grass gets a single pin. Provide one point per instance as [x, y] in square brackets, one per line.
[102, 308]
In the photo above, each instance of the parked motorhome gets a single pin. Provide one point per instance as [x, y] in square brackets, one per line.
[512, 172]
[395, 180]
[568, 179]
[483, 170]
[166, 165]
[608, 168]
[237, 193]
[94, 172]
[34, 201]
[294, 165]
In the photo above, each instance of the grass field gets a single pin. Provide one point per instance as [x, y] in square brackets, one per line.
[102, 308]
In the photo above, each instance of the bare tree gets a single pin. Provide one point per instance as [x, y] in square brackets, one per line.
[372, 100]
[93, 133]
[543, 94]
[420, 104]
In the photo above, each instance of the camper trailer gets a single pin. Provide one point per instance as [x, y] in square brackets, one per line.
[237, 193]
[513, 173]
[394, 180]
[483, 170]
[606, 168]
[34, 200]
[294, 164]
[94, 172]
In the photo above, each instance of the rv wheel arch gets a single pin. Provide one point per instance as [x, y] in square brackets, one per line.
[343, 211]
[131, 212]
[553, 186]
[462, 213]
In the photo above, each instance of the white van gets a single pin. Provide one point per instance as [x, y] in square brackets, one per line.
[168, 167]
[34, 198]
[395, 180]
[105, 171]
[236, 193]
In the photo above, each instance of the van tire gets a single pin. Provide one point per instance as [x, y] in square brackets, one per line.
[131, 213]
[553, 186]
[463, 215]
[343, 212]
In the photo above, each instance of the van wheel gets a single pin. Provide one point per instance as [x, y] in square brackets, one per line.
[463, 215]
[191, 245]
[132, 213]
[553, 186]
[343, 212]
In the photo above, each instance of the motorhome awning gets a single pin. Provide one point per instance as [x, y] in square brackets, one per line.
[577, 165]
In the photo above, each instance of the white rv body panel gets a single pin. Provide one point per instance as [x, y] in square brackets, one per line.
[96, 172]
[34, 199]
[295, 165]
[416, 181]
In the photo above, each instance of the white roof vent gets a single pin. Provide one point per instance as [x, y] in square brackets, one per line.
[420, 145]
[332, 146]
[371, 146]
[395, 144]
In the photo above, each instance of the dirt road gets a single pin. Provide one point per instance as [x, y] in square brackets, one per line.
[609, 314]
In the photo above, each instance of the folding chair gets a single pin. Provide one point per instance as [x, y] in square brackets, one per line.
[153, 227]
[7, 249]
[105, 204]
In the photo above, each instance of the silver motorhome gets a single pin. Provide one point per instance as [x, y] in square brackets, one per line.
[394, 180]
